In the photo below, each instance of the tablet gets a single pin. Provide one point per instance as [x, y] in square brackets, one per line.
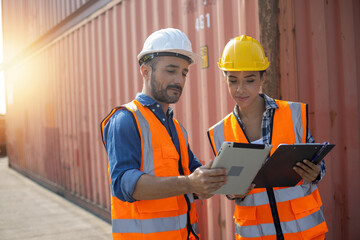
[242, 161]
[278, 170]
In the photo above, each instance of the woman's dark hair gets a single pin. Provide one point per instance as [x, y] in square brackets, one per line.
[262, 73]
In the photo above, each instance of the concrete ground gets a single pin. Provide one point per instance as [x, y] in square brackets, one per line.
[29, 211]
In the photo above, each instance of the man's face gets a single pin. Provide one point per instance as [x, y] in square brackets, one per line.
[168, 79]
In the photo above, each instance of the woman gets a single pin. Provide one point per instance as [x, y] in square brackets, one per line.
[268, 213]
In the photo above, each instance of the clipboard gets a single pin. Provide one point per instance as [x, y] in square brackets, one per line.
[278, 169]
[242, 161]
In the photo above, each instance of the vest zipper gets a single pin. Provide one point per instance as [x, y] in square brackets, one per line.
[271, 196]
[181, 172]
[188, 224]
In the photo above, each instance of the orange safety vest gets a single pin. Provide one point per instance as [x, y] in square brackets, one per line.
[167, 218]
[299, 208]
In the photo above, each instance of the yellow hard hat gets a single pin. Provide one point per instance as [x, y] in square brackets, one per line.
[243, 53]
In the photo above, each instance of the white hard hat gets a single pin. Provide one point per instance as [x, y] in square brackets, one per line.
[168, 42]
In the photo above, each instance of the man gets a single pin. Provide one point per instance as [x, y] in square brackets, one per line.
[153, 172]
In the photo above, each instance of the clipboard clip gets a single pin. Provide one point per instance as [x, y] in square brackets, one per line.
[320, 151]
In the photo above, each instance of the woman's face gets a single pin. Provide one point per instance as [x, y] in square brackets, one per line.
[244, 86]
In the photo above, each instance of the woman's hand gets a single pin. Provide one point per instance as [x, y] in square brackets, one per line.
[307, 170]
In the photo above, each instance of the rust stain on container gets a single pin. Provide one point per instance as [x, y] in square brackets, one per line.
[332, 117]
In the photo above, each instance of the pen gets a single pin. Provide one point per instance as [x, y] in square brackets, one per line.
[320, 151]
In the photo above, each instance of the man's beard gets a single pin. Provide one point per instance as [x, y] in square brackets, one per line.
[160, 94]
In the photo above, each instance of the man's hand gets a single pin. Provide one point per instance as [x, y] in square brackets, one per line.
[203, 181]
[307, 170]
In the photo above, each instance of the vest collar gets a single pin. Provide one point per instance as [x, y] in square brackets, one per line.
[151, 103]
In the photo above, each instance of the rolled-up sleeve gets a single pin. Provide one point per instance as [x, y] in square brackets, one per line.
[194, 163]
[124, 152]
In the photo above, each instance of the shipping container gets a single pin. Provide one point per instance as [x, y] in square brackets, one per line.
[328, 54]
[65, 77]
[31, 25]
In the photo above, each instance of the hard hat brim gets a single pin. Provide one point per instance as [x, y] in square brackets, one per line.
[261, 67]
[195, 58]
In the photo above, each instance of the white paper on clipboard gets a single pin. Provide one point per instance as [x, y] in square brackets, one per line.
[242, 161]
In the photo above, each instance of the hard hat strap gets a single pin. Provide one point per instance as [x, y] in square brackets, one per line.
[150, 56]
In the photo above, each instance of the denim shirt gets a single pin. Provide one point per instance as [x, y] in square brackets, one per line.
[123, 147]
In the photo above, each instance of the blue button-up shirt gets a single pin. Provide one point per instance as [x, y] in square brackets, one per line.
[123, 147]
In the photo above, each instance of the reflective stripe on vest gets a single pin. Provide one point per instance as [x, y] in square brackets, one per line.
[195, 228]
[300, 205]
[281, 195]
[147, 149]
[184, 133]
[149, 225]
[190, 197]
[267, 229]
[297, 120]
[219, 133]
